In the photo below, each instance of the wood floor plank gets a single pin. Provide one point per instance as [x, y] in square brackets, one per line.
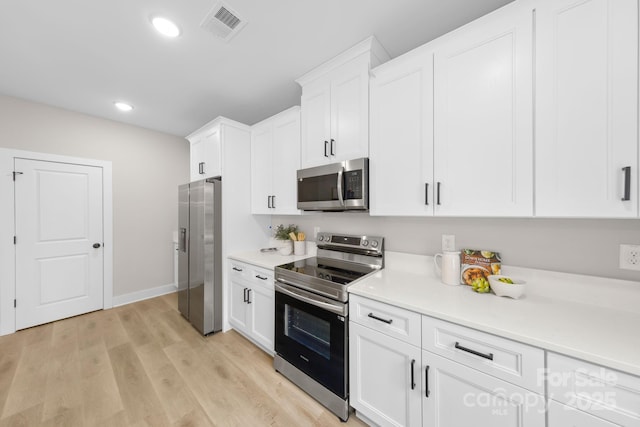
[27, 387]
[26, 418]
[63, 394]
[137, 393]
[136, 329]
[177, 399]
[101, 396]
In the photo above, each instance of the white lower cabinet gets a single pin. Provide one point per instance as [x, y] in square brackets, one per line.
[456, 395]
[395, 381]
[251, 306]
[590, 395]
[381, 368]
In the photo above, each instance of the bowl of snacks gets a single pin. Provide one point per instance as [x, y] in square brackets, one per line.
[505, 286]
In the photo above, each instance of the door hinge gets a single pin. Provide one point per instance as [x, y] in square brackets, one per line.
[15, 303]
[15, 239]
[16, 173]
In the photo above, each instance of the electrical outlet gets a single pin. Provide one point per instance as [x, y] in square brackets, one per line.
[448, 243]
[630, 257]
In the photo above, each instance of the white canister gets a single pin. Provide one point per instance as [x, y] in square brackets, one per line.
[449, 267]
[299, 248]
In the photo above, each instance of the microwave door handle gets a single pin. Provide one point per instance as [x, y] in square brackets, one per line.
[340, 196]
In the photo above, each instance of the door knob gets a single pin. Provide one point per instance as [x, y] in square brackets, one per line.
[96, 245]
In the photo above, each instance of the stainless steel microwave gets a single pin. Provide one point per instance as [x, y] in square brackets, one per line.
[335, 187]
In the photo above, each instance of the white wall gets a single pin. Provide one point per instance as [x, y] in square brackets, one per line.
[569, 245]
[148, 166]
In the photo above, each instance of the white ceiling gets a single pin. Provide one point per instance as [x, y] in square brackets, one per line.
[83, 55]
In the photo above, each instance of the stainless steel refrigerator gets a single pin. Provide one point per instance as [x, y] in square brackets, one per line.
[200, 254]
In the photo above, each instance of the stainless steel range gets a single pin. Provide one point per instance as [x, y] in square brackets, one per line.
[312, 315]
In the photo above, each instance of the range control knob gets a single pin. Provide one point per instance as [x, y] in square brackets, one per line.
[321, 238]
[365, 243]
[374, 244]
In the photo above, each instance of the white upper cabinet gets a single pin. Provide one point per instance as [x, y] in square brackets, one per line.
[587, 108]
[275, 158]
[483, 127]
[401, 140]
[205, 156]
[335, 106]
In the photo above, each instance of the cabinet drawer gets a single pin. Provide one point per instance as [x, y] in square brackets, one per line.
[239, 270]
[388, 319]
[511, 361]
[261, 277]
[605, 393]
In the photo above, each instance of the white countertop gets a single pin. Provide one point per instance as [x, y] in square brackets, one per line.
[267, 259]
[593, 319]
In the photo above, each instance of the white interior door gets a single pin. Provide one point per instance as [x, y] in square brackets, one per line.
[59, 269]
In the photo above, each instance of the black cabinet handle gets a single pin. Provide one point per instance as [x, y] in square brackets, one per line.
[426, 193]
[245, 294]
[269, 202]
[331, 151]
[627, 183]
[248, 296]
[273, 202]
[438, 194]
[426, 381]
[325, 148]
[373, 316]
[477, 353]
[237, 269]
[261, 277]
[201, 168]
[413, 380]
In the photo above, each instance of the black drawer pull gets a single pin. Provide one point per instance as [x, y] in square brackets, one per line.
[261, 277]
[426, 193]
[477, 353]
[237, 269]
[373, 316]
[627, 184]
[426, 381]
[413, 380]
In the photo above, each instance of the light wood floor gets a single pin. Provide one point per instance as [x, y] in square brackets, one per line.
[143, 364]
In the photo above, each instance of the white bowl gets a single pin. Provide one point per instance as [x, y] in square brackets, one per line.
[512, 290]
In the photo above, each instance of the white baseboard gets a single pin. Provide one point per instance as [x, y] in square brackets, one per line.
[144, 294]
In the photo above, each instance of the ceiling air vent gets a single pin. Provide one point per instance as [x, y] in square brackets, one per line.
[223, 22]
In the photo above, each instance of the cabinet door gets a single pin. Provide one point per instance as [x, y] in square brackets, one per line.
[461, 396]
[483, 134]
[315, 122]
[213, 153]
[286, 162]
[197, 159]
[565, 416]
[401, 151]
[261, 169]
[586, 114]
[261, 304]
[238, 312]
[350, 111]
[380, 377]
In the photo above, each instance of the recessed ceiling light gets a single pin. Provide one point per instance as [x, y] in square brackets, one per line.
[165, 26]
[123, 106]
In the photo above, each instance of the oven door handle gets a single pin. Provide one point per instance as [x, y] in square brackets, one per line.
[285, 288]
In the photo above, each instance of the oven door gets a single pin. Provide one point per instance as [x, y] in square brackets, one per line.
[311, 334]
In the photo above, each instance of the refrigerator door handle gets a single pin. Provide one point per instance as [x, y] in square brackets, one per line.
[183, 239]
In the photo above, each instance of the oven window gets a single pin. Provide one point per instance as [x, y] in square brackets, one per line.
[308, 330]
